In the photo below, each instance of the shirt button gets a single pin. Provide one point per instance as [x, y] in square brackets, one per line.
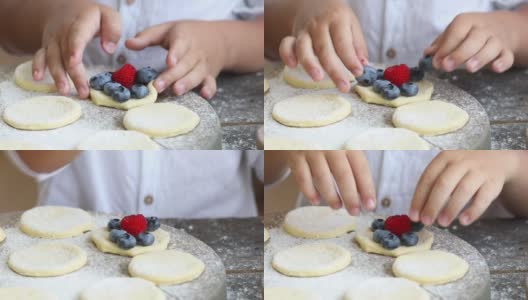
[386, 202]
[130, 2]
[121, 59]
[148, 200]
[391, 53]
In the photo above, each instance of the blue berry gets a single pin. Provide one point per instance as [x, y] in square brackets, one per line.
[114, 224]
[409, 239]
[98, 81]
[145, 239]
[417, 74]
[409, 89]
[390, 92]
[116, 234]
[391, 241]
[379, 85]
[377, 224]
[379, 235]
[380, 73]
[146, 75]
[126, 241]
[110, 87]
[139, 91]
[416, 226]
[426, 63]
[121, 94]
[153, 224]
[369, 76]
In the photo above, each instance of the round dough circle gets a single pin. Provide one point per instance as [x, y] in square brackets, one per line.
[298, 78]
[387, 288]
[282, 293]
[42, 113]
[166, 267]
[430, 267]
[24, 293]
[24, 79]
[318, 222]
[266, 235]
[279, 143]
[387, 139]
[101, 239]
[430, 118]
[161, 120]
[311, 260]
[313, 110]
[47, 259]
[118, 140]
[19, 145]
[365, 241]
[101, 99]
[2, 235]
[367, 94]
[55, 222]
[123, 289]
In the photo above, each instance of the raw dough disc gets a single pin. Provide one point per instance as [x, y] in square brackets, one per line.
[311, 260]
[313, 110]
[2, 235]
[161, 120]
[430, 118]
[282, 293]
[47, 259]
[118, 140]
[368, 95]
[300, 79]
[166, 267]
[20, 293]
[318, 222]
[101, 239]
[19, 145]
[387, 288]
[266, 86]
[101, 99]
[123, 289]
[280, 143]
[24, 79]
[387, 139]
[55, 222]
[365, 241]
[41, 113]
[266, 235]
[430, 267]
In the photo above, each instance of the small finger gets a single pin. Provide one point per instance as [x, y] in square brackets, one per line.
[363, 178]
[468, 48]
[177, 50]
[431, 50]
[287, 51]
[455, 33]
[307, 58]
[504, 62]
[208, 87]
[79, 35]
[303, 177]
[342, 38]
[39, 64]
[464, 192]
[110, 29]
[360, 46]
[344, 179]
[324, 49]
[323, 179]
[482, 200]
[56, 68]
[190, 80]
[152, 36]
[171, 75]
[488, 53]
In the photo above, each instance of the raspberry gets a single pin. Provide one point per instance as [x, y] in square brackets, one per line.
[134, 224]
[398, 75]
[125, 76]
[398, 225]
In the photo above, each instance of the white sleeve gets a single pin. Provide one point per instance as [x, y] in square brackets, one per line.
[22, 167]
[249, 9]
[508, 4]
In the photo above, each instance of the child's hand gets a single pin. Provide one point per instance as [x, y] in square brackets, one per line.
[65, 37]
[457, 181]
[326, 38]
[476, 40]
[315, 172]
[196, 55]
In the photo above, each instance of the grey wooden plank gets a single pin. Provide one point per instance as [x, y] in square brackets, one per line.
[240, 137]
[244, 286]
[508, 286]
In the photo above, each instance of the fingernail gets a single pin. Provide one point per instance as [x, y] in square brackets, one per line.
[472, 65]
[449, 64]
[371, 204]
[427, 220]
[206, 94]
[343, 86]
[291, 61]
[110, 46]
[36, 75]
[499, 66]
[464, 219]
[160, 84]
[442, 220]
[413, 215]
[354, 211]
[336, 205]
[316, 73]
[180, 88]
[82, 91]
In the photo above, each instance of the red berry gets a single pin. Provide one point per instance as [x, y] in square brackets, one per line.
[134, 224]
[398, 75]
[125, 76]
[398, 225]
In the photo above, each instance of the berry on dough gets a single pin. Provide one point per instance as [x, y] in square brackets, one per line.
[134, 224]
[395, 231]
[133, 230]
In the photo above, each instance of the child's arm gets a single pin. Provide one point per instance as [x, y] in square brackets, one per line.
[43, 161]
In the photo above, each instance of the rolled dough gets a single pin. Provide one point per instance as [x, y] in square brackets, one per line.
[101, 239]
[386, 288]
[298, 78]
[318, 222]
[41, 113]
[161, 120]
[166, 267]
[118, 140]
[123, 289]
[101, 99]
[47, 259]
[280, 143]
[313, 110]
[430, 118]
[24, 79]
[430, 267]
[367, 94]
[2, 235]
[365, 241]
[387, 139]
[283, 293]
[55, 222]
[24, 293]
[266, 235]
[19, 145]
[311, 260]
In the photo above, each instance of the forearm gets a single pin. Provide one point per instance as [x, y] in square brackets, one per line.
[47, 161]
[515, 191]
[275, 164]
[521, 55]
[243, 44]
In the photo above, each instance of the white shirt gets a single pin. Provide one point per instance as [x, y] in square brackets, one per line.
[181, 184]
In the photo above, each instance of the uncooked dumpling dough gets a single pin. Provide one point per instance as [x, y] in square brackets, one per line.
[430, 118]
[24, 293]
[41, 113]
[47, 259]
[430, 267]
[101, 239]
[298, 78]
[101, 99]
[282, 293]
[2, 235]
[55, 222]
[313, 110]
[318, 222]
[266, 235]
[365, 241]
[161, 120]
[387, 139]
[166, 267]
[123, 289]
[280, 143]
[387, 288]
[368, 95]
[311, 260]
[8, 144]
[118, 140]
[24, 79]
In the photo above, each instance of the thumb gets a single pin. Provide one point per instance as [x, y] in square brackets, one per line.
[110, 29]
[152, 36]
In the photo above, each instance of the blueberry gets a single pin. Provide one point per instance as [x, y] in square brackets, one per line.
[145, 239]
[116, 234]
[121, 94]
[416, 226]
[417, 74]
[409, 89]
[426, 63]
[126, 242]
[379, 235]
[377, 224]
[369, 76]
[380, 73]
[409, 239]
[379, 85]
[98, 81]
[146, 75]
[391, 241]
[153, 224]
[390, 92]
[139, 91]
[114, 224]
[110, 87]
